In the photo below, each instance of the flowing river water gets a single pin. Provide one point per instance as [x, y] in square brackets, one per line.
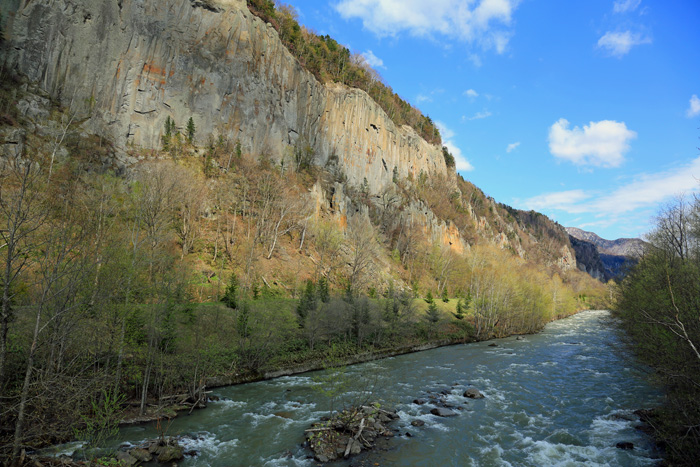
[563, 397]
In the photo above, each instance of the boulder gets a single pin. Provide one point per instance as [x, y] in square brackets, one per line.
[170, 454]
[141, 454]
[443, 412]
[625, 445]
[419, 401]
[473, 393]
[493, 345]
[417, 423]
[126, 459]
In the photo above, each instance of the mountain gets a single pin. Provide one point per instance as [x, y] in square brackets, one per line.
[631, 247]
[124, 69]
[601, 258]
[588, 259]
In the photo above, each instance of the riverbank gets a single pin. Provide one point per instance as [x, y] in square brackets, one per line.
[170, 411]
[556, 397]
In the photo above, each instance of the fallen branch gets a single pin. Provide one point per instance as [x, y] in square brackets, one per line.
[354, 438]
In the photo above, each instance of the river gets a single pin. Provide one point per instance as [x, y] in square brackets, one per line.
[560, 397]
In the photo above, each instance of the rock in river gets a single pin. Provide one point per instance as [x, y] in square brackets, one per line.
[473, 393]
[442, 412]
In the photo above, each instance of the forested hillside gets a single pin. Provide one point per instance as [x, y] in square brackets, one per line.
[205, 263]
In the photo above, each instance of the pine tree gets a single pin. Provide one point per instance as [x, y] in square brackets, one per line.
[169, 127]
[433, 314]
[242, 320]
[460, 310]
[307, 302]
[445, 298]
[323, 293]
[230, 297]
[190, 130]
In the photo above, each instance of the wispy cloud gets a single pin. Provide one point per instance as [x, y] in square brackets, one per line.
[461, 162]
[600, 144]
[373, 60]
[624, 6]
[694, 109]
[480, 115]
[470, 93]
[644, 192]
[486, 23]
[618, 44]
[512, 147]
[420, 98]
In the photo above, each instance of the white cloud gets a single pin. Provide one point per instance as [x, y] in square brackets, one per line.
[694, 109]
[461, 162]
[420, 98]
[561, 200]
[480, 115]
[373, 60]
[623, 6]
[512, 146]
[619, 44]
[600, 144]
[484, 22]
[646, 191]
[470, 93]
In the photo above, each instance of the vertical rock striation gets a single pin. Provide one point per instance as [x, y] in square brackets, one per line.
[129, 64]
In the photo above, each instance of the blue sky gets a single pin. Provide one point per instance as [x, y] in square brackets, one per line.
[587, 111]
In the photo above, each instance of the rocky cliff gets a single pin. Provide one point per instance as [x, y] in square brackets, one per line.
[587, 259]
[121, 68]
[127, 65]
[611, 257]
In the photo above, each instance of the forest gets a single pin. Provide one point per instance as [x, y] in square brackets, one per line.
[659, 306]
[200, 263]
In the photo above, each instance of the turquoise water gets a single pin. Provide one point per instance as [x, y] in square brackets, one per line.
[563, 397]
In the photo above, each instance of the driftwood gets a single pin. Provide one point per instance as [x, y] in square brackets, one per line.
[349, 432]
[354, 439]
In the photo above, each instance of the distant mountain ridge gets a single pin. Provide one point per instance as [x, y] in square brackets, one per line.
[631, 247]
[604, 259]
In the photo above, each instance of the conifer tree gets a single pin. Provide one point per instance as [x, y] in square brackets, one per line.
[230, 297]
[323, 293]
[433, 314]
[190, 130]
[460, 310]
[307, 302]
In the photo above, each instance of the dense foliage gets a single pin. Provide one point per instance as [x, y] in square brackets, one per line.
[333, 62]
[659, 304]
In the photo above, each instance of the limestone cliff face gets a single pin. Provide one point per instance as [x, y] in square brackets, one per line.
[129, 64]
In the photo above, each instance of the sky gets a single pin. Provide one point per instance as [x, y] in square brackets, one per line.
[587, 111]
